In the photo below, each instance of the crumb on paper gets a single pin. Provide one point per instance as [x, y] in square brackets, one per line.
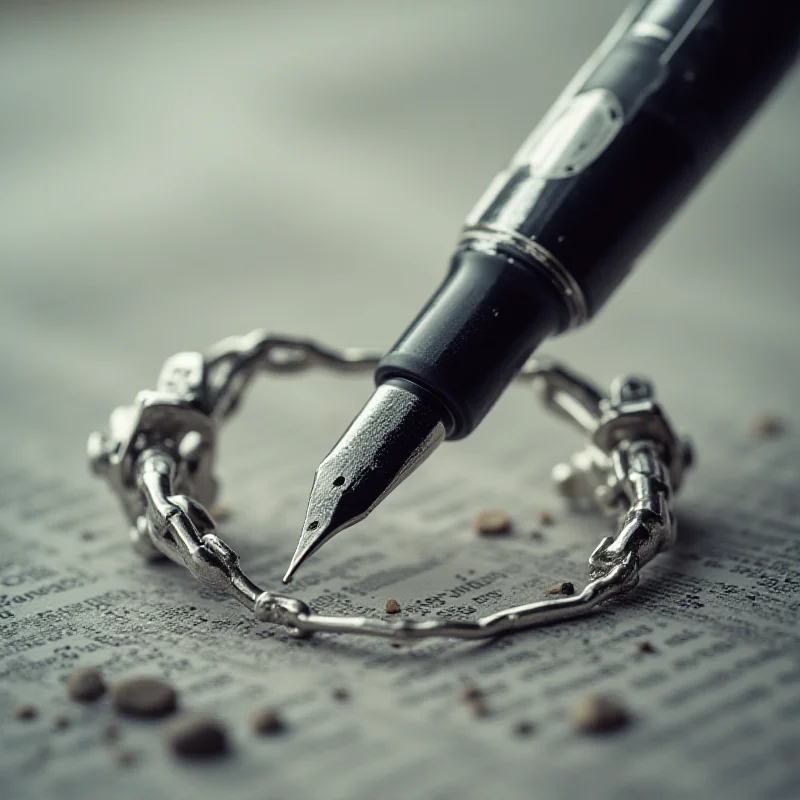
[766, 425]
[25, 712]
[392, 606]
[491, 521]
[599, 713]
[196, 736]
[524, 727]
[267, 722]
[471, 693]
[85, 685]
[144, 697]
[61, 722]
[566, 588]
[544, 518]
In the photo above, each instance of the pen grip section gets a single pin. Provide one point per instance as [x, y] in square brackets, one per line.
[474, 334]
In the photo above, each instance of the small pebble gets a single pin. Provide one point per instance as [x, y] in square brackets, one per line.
[60, 722]
[392, 606]
[196, 736]
[85, 685]
[524, 727]
[544, 518]
[127, 758]
[219, 512]
[268, 722]
[491, 521]
[340, 694]
[766, 425]
[566, 588]
[598, 714]
[470, 693]
[25, 712]
[646, 647]
[144, 697]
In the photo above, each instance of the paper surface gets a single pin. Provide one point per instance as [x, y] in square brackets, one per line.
[171, 177]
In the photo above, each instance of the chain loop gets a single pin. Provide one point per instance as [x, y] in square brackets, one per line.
[157, 457]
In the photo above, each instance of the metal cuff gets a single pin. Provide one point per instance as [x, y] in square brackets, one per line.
[157, 457]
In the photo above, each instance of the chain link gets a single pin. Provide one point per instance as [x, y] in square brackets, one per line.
[157, 457]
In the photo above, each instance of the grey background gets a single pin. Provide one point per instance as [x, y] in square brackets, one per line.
[175, 172]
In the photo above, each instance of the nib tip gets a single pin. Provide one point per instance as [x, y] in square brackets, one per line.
[303, 551]
[287, 578]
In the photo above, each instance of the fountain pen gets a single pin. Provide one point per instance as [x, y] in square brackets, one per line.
[634, 132]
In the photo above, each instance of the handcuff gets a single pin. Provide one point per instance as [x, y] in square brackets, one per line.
[157, 456]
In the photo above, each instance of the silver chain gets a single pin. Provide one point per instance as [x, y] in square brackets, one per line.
[157, 457]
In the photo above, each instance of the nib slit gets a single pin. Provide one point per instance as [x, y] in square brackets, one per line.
[394, 433]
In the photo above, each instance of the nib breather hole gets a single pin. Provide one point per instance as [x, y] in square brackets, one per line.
[313, 525]
[339, 481]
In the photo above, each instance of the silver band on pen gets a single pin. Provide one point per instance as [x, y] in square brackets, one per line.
[487, 238]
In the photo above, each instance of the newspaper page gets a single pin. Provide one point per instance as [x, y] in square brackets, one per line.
[172, 177]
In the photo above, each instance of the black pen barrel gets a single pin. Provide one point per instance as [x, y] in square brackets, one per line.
[558, 230]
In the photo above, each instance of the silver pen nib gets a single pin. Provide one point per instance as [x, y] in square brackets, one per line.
[394, 433]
